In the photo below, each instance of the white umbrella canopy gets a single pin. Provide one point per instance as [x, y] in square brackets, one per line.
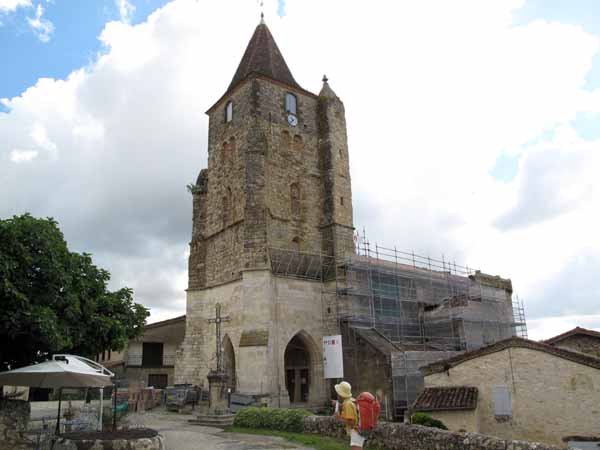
[63, 371]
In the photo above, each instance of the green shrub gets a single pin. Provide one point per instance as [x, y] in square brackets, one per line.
[271, 418]
[427, 421]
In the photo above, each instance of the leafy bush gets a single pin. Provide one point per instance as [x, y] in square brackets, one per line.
[271, 418]
[427, 421]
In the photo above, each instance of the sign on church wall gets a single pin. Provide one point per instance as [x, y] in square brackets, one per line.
[333, 361]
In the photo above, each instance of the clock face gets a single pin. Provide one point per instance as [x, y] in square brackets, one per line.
[292, 120]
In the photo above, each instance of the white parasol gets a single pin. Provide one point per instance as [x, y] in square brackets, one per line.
[62, 371]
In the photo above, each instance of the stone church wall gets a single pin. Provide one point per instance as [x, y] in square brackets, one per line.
[259, 303]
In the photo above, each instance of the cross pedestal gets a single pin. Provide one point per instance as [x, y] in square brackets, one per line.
[217, 393]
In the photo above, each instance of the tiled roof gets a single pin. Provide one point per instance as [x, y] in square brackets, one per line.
[262, 56]
[444, 365]
[163, 323]
[446, 398]
[575, 331]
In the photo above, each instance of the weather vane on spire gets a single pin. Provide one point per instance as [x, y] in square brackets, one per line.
[262, 14]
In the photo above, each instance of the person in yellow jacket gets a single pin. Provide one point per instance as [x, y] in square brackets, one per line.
[346, 410]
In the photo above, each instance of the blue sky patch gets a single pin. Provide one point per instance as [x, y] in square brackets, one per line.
[587, 125]
[73, 43]
[506, 167]
[281, 8]
[574, 12]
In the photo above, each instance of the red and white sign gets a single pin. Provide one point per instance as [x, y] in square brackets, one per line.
[333, 360]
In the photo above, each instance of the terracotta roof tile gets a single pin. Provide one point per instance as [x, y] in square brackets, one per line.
[445, 398]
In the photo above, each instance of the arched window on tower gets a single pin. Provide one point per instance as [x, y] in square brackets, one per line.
[295, 199]
[298, 143]
[229, 111]
[285, 141]
[296, 244]
[232, 153]
[226, 152]
[227, 207]
[290, 103]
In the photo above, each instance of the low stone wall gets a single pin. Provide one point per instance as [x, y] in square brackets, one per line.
[400, 436]
[14, 415]
[137, 439]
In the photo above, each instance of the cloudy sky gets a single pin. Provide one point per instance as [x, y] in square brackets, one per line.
[474, 130]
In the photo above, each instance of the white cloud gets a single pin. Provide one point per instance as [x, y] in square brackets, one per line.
[41, 27]
[12, 5]
[548, 327]
[431, 101]
[18, 156]
[126, 10]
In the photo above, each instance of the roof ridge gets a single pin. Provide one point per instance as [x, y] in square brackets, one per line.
[514, 341]
[572, 332]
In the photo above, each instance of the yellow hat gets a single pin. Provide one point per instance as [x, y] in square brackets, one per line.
[344, 389]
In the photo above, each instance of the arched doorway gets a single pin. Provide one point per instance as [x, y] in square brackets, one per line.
[297, 370]
[229, 363]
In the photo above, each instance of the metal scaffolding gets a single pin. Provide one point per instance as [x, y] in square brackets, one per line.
[427, 308]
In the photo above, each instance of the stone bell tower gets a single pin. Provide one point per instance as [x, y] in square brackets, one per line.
[278, 180]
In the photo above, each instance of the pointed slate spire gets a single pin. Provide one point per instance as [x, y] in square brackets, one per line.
[262, 56]
[326, 90]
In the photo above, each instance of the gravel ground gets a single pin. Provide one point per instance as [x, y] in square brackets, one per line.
[181, 435]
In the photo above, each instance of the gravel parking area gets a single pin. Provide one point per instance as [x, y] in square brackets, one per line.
[181, 435]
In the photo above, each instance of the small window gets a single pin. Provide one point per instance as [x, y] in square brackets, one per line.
[227, 207]
[229, 111]
[342, 201]
[298, 143]
[152, 354]
[158, 380]
[296, 244]
[290, 103]
[502, 402]
[295, 198]
[286, 140]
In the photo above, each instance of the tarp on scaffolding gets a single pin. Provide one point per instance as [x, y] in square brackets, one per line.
[377, 340]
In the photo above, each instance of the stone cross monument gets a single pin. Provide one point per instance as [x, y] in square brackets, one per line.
[217, 379]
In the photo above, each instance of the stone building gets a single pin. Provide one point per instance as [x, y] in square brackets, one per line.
[578, 340]
[149, 360]
[273, 242]
[525, 390]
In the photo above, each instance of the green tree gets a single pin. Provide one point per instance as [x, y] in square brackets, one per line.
[53, 300]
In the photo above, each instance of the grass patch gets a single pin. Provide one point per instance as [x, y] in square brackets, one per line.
[309, 440]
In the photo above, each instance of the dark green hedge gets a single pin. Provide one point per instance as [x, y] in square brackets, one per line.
[426, 420]
[271, 418]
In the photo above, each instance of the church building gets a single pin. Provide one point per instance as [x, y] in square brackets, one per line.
[277, 180]
[273, 243]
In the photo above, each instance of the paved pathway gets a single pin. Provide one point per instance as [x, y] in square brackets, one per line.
[181, 435]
